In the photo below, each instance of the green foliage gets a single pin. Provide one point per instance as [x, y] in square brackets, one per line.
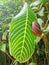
[10, 9]
[47, 29]
[32, 63]
[3, 47]
[22, 40]
[46, 1]
[0, 46]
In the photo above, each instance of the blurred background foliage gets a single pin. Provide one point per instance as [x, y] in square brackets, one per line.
[10, 8]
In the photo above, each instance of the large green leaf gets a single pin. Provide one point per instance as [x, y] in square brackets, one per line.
[21, 41]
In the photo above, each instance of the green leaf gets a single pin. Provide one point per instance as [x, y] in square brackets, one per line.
[40, 21]
[21, 40]
[47, 29]
[41, 12]
[37, 40]
[2, 47]
[48, 16]
[46, 1]
[32, 63]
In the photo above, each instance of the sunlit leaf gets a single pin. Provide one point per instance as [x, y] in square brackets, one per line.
[21, 41]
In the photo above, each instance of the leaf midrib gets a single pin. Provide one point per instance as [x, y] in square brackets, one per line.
[24, 32]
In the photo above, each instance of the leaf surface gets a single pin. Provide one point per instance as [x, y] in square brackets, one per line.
[21, 40]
